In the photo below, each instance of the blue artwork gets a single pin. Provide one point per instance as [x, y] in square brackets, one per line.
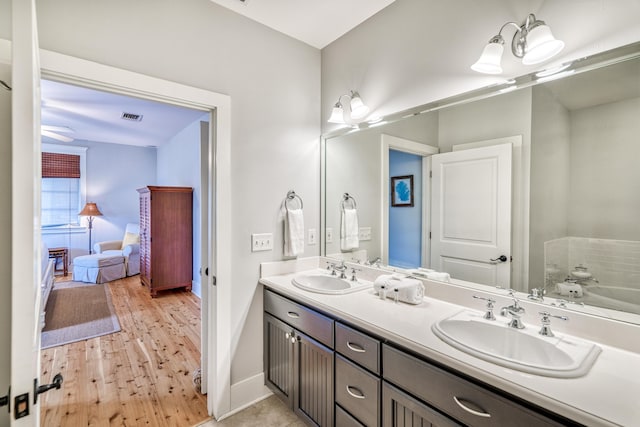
[402, 191]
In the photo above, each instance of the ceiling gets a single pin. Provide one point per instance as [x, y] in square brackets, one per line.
[315, 22]
[93, 115]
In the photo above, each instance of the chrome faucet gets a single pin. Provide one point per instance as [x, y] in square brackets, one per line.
[537, 294]
[546, 323]
[376, 261]
[341, 268]
[515, 311]
[490, 302]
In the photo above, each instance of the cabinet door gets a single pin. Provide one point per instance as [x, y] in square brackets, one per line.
[278, 358]
[401, 410]
[314, 381]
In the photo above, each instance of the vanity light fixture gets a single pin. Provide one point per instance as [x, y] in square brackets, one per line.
[357, 109]
[532, 42]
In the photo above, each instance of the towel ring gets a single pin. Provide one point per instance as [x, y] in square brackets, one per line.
[347, 198]
[291, 195]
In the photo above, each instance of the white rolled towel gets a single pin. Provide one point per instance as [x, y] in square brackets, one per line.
[569, 289]
[407, 289]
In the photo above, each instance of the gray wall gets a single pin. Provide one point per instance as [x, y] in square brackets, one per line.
[605, 204]
[549, 190]
[5, 238]
[418, 51]
[274, 85]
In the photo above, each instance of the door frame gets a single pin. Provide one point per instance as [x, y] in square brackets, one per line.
[390, 142]
[216, 300]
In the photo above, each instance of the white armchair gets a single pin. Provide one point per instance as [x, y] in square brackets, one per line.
[129, 247]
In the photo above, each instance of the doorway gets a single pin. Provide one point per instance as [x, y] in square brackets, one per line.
[216, 300]
[161, 145]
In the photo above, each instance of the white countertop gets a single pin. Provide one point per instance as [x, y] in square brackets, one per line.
[609, 395]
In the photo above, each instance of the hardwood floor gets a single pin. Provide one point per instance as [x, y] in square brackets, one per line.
[139, 376]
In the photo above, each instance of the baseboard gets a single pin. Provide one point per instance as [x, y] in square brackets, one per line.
[196, 288]
[247, 392]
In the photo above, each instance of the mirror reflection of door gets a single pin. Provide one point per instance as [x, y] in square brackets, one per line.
[471, 214]
[405, 221]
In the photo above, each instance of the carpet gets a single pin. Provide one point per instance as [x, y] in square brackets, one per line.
[77, 311]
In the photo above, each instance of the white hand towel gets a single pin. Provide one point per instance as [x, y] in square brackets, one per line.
[293, 232]
[409, 290]
[349, 230]
[442, 277]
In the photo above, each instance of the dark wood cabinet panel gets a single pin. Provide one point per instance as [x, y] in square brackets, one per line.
[166, 237]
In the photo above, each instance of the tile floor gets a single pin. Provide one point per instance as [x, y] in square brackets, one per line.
[270, 412]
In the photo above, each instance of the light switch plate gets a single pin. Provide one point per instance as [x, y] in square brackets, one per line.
[261, 242]
[329, 235]
[312, 236]
[364, 233]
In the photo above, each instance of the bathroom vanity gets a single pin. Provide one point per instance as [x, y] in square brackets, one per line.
[357, 360]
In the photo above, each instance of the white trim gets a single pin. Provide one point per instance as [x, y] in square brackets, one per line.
[389, 142]
[247, 392]
[59, 67]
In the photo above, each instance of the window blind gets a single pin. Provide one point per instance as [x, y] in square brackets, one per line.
[58, 165]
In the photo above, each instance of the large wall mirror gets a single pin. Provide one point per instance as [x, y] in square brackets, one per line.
[531, 184]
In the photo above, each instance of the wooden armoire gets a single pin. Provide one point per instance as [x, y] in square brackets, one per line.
[166, 237]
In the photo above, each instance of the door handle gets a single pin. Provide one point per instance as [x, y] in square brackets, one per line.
[501, 258]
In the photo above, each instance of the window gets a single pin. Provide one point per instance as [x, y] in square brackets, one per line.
[62, 188]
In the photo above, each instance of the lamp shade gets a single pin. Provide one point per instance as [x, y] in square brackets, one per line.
[541, 45]
[489, 61]
[337, 114]
[90, 209]
[358, 109]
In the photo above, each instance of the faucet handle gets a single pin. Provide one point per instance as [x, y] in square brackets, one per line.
[490, 303]
[546, 323]
[353, 274]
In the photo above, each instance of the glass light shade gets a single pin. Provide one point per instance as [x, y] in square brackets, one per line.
[337, 115]
[541, 45]
[489, 61]
[90, 209]
[358, 109]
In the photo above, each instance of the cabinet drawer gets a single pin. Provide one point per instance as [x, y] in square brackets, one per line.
[457, 397]
[343, 419]
[401, 410]
[357, 391]
[358, 347]
[305, 320]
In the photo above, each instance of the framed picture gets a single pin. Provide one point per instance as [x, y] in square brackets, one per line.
[402, 191]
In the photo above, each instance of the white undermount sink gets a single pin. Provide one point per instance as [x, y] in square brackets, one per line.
[323, 283]
[524, 350]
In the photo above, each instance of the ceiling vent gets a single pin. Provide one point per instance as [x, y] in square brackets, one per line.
[132, 117]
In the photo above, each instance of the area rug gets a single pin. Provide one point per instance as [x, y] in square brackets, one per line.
[77, 311]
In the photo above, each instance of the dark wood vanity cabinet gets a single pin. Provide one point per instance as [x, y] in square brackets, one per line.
[298, 358]
[376, 382]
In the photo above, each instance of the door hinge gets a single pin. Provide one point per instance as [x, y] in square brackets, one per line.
[6, 400]
[214, 280]
[430, 174]
[429, 235]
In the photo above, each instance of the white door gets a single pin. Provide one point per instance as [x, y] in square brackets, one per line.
[471, 214]
[25, 208]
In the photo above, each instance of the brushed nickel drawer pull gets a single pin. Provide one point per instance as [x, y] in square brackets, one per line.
[293, 314]
[358, 394]
[471, 411]
[356, 347]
